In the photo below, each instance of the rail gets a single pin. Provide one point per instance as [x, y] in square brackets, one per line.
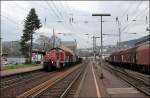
[135, 82]
[70, 86]
[36, 91]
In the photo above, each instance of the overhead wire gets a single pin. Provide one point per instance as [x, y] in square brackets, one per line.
[136, 15]
[61, 14]
[56, 13]
[72, 26]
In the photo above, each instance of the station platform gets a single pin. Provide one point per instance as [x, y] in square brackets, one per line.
[19, 70]
[92, 86]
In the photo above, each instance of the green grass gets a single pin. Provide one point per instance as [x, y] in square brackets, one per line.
[13, 66]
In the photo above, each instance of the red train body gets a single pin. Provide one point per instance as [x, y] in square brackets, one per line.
[143, 55]
[59, 57]
[137, 58]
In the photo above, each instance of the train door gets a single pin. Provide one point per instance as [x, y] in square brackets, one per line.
[122, 58]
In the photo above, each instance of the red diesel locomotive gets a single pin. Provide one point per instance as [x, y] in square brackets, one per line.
[59, 57]
[137, 58]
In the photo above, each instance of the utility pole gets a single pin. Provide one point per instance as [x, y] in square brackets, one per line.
[94, 47]
[44, 46]
[31, 47]
[45, 21]
[118, 23]
[53, 38]
[101, 63]
[102, 76]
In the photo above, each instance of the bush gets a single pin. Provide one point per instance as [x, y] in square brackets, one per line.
[38, 62]
[27, 61]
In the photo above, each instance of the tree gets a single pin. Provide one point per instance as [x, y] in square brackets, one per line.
[44, 41]
[31, 24]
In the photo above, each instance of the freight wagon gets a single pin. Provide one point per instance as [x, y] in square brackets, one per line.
[137, 58]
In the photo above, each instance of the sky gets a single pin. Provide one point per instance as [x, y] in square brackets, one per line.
[58, 13]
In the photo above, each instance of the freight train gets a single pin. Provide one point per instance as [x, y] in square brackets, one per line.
[60, 57]
[136, 58]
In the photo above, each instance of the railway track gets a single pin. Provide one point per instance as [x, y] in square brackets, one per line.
[134, 81]
[17, 76]
[142, 77]
[16, 79]
[13, 87]
[61, 86]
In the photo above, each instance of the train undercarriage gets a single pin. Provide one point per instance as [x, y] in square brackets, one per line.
[135, 67]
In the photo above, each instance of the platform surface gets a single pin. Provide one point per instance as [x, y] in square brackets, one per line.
[19, 70]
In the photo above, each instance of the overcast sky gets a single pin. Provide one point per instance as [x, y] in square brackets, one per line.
[13, 14]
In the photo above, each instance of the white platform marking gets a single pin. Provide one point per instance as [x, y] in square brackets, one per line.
[97, 88]
[121, 90]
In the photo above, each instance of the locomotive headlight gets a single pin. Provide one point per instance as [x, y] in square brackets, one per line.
[52, 61]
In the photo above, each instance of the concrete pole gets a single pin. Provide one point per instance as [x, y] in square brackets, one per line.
[94, 47]
[101, 72]
[118, 22]
[53, 38]
[31, 47]
[102, 14]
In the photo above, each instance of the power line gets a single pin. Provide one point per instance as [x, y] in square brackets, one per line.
[52, 9]
[137, 15]
[55, 12]
[129, 9]
[65, 23]
[126, 11]
[62, 15]
[58, 11]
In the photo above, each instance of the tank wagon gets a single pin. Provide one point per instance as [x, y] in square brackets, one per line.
[136, 58]
[59, 57]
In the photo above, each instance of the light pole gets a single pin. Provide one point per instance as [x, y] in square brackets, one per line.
[101, 15]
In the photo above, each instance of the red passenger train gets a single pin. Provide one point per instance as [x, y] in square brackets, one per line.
[59, 57]
[137, 58]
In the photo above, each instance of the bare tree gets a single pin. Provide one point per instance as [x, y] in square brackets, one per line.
[44, 41]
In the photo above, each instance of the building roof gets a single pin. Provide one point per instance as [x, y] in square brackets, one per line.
[70, 44]
[135, 42]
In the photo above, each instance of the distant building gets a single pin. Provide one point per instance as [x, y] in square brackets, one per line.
[70, 44]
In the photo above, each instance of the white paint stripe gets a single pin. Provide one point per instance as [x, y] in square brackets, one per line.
[97, 88]
[121, 90]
